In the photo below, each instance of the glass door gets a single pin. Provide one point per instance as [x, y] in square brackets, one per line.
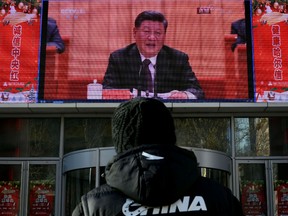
[280, 187]
[42, 185]
[28, 188]
[10, 187]
[83, 171]
[253, 187]
[263, 187]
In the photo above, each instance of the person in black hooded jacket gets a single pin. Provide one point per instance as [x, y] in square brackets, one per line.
[150, 175]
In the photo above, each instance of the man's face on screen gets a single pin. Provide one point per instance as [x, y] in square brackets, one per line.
[150, 37]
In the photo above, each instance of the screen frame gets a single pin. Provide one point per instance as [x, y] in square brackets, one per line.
[250, 68]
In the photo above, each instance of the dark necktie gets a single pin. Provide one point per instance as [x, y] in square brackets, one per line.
[147, 78]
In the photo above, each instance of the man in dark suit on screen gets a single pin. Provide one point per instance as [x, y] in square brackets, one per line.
[170, 75]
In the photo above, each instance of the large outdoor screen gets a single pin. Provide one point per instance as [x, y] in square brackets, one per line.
[214, 39]
[92, 30]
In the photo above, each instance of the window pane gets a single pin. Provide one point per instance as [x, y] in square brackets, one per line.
[42, 189]
[253, 189]
[261, 136]
[278, 131]
[209, 133]
[280, 181]
[78, 183]
[85, 133]
[10, 181]
[29, 137]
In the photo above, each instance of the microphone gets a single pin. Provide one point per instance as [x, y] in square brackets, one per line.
[155, 83]
[139, 83]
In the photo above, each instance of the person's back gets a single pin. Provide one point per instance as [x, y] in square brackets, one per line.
[150, 175]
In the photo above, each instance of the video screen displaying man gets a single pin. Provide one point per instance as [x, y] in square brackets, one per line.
[189, 60]
[169, 72]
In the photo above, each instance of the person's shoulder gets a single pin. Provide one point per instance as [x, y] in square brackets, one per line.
[100, 192]
[218, 196]
[173, 51]
[214, 189]
[131, 48]
[51, 20]
[103, 200]
[105, 192]
[239, 21]
[212, 186]
[52, 24]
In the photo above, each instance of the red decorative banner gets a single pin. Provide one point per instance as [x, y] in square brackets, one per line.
[270, 41]
[9, 198]
[281, 196]
[253, 198]
[19, 48]
[41, 200]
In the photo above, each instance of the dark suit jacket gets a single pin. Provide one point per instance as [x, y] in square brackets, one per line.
[238, 27]
[173, 71]
[53, 35]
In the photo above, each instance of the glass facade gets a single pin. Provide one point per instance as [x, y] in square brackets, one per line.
[208, 133]
[29, 137]
[84, 133]
[261, 136]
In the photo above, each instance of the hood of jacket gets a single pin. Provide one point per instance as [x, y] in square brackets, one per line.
[153, 175]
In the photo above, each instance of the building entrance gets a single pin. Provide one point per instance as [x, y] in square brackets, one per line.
[83, 171]
[28, 188]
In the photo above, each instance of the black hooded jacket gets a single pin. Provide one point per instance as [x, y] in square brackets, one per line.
[157, 180]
